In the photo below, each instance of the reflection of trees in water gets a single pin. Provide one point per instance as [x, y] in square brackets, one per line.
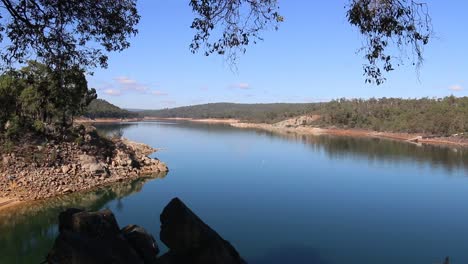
[112, 129]
[376, 149]
[336, 147]
[38, 220]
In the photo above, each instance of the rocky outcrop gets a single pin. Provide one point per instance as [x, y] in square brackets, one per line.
[94, 237]
[51, 169]
[190, 240]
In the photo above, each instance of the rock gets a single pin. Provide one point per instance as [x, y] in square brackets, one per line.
[190, 240]
[6, 160]
[96, 168]
[94, 237]
[142, 242]
[87, 159]
[91, 238]
[65, 169]
[162, 167]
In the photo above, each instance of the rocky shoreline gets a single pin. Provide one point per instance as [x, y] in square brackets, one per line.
[47, 170]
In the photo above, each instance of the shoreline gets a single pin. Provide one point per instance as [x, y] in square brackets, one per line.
[69, 167]
[302, 130]
[12, 203]
[316, 131]
[142, 119]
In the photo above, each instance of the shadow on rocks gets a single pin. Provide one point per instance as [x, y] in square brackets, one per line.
[95, 237]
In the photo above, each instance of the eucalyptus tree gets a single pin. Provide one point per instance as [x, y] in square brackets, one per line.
[65, 34]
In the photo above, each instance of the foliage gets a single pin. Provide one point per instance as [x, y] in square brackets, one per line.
[37, 95]
[444, 116]
[258, 113]
[66, 33]
[63, 34]
[102, 109]
[383, 23]
[241, 23]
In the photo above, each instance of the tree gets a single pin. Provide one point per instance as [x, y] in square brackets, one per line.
[64, 34]
[384, 24]
[10, 87]
[38, 94]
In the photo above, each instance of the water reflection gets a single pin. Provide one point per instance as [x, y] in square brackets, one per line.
[37, 221]
[336, 147]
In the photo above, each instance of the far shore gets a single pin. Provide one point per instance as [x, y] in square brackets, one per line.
[302, 130]
[125, 120]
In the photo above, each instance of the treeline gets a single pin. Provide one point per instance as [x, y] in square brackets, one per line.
[441, 116]
[37, 98]
[257, 113]
[102, 109]
[434, 116]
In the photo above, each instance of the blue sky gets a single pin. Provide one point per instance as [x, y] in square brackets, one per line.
[312, 57]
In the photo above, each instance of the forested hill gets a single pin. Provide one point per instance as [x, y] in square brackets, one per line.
[439, 116]
[268, 113]
[99, 108]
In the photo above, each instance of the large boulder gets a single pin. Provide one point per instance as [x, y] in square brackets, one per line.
[142, 242]
[190, 240]
[95, 237]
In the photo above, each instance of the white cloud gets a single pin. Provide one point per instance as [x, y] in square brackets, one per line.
[112, 92]
[131, 84]
[242, 86]
[456, 88]
[158, 93]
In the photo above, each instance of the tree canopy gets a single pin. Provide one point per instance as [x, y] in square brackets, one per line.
[36, 95]
[64, 34]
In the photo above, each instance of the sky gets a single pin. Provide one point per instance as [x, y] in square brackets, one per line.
[311, 58]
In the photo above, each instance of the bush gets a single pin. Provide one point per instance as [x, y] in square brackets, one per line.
[14, 128]
[39, 126]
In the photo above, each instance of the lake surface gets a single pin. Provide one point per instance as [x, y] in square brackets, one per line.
[281, 198]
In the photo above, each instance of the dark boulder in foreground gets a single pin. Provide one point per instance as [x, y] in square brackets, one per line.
[190, 240]
[95, 237]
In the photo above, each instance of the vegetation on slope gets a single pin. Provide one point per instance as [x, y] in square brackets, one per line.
[102, 109]
[444, 116]
[257, 113]
[435, 116]
[40, 100]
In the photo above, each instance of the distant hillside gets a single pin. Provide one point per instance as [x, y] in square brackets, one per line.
[432, 116]
[100, 108]
[261, 113]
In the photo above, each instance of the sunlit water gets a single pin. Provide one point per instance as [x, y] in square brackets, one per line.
[281, 198]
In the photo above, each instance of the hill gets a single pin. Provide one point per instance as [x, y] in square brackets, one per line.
[100, 108]
[431, 116]
[257, 113]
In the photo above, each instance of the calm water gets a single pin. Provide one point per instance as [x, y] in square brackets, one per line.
[282, 198]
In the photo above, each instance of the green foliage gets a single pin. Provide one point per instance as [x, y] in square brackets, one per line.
[37, 95]
[445, 116]
[383, 23]
[258, 113]
[65, 33]
[7, 146]
[14, 128]
[102, 109]
[39, 126]
[237, 30]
